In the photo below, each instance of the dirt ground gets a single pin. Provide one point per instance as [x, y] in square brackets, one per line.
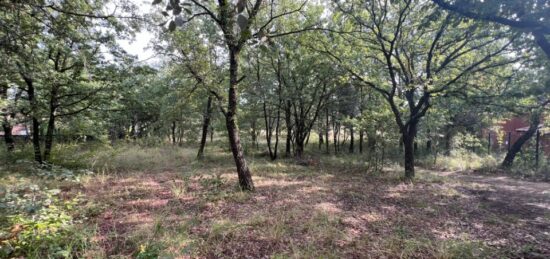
[318, 211]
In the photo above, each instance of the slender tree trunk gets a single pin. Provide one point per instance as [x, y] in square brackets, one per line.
[327, 128]
[6, 125]
[245, 176]
[254, 134]
[34, 119]
[268, 130]
[205, 126]
[448, 140]
[211, 134]
[321, 140]
[351, 140]
[173, 133]
[8, 137]
[299, 148]
[288, 122]
[409, 134]
[36, 140]
[537, 149]
[361, 140]
[335, 132]
[277, 131]
[48, 140]
[516, 147]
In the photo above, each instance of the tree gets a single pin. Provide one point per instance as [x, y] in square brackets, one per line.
[416, 57]
[527, 16]
[236, 22]
[53, 47]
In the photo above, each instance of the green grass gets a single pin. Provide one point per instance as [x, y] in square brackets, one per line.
[143, 201]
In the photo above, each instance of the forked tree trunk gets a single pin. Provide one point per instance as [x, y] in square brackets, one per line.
[205, 126]
[516, 147]
[245, 177]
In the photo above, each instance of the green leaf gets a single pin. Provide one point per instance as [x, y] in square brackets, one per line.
[177, 10]
[171, 26]
[241, 5]
[157, 2]
[242, 21]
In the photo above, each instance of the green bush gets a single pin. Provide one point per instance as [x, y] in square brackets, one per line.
[38, 223]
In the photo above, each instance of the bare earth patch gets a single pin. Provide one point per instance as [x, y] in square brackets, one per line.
[306, 212]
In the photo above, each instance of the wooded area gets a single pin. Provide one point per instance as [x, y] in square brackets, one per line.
[275, 128]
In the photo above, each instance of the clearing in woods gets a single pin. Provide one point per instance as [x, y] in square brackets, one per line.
[329, 209]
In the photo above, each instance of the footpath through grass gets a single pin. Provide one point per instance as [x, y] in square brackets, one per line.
[149, 202]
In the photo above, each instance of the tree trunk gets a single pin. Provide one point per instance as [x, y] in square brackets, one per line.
[516, 147]
[408, 142]
[321, 140]
[299, 148]
[36, 140]
[351, 140]
[48, 141]
[361, 140]
[173, 132]
[6, 125]
[335, 132]
[211, 134]
[8, 137]
[34, 119]
[245, 177]
[254, 134]
[277, 129]
[448, 140]
[537, 149]
[408, 134]
[268, 131]
[288, 150]
[327, 143]
[205, 126]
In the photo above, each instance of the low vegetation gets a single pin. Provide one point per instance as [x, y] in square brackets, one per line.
[168, 204]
